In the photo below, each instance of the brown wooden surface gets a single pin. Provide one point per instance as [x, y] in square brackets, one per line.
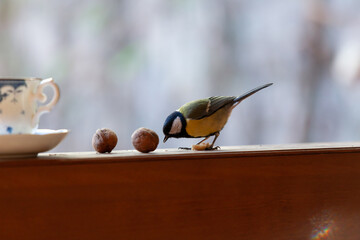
[309, 191]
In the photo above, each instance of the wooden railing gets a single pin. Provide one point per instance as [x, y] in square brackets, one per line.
[302, 191]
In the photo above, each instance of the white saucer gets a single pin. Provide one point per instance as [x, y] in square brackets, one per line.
[29, 145]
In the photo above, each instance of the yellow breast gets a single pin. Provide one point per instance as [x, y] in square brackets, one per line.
[208, 125]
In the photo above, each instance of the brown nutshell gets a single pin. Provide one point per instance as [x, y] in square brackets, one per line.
[104, 140]
[145, 140]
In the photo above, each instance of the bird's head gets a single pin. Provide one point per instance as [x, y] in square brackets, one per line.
[174, 126]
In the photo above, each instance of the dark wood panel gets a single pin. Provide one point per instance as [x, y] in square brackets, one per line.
[266, 194]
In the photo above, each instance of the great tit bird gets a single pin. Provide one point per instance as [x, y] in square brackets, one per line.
[203, 117]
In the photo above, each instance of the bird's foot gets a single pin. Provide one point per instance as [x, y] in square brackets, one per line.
[212, 148]
[201, 147]
[184, 148]
[204, 147]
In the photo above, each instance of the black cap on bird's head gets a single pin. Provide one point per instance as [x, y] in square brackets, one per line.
[174, 126]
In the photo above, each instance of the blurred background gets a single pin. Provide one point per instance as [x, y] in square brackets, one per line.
[125, 64]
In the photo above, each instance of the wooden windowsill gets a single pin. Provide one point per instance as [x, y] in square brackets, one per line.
[174, 154]
[293, 191]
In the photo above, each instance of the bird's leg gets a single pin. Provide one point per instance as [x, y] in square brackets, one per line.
[199, 148]
[186, 148]
[203, 140]
[211, 147]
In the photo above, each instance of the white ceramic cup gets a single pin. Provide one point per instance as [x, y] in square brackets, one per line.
[19, 103]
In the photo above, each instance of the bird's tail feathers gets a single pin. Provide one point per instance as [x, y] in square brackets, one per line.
[251, 92]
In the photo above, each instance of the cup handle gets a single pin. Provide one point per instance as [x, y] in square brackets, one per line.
[41, 97]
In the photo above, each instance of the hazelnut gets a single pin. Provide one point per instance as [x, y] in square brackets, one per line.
[104, 140]
[145, 140]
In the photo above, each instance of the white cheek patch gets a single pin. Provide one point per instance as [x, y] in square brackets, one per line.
[176, 126]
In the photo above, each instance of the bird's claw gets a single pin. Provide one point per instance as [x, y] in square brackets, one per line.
[212, 148]
[200, 147]
[204, 147]
[184, 148]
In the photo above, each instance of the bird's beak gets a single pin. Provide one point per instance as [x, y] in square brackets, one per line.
[166, 138]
